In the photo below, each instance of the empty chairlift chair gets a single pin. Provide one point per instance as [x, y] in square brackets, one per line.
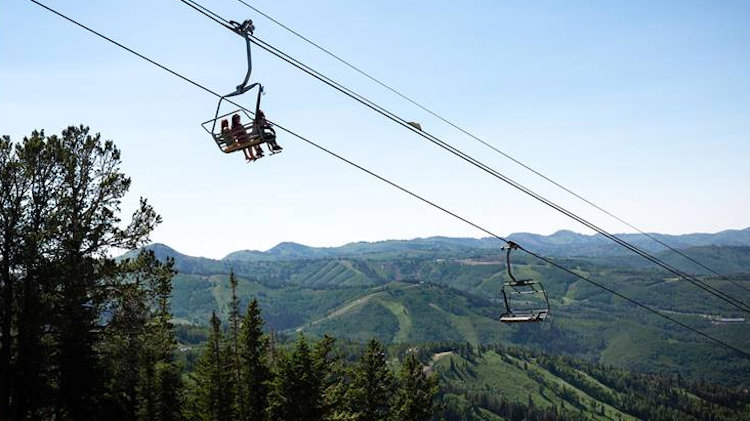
[525, 299]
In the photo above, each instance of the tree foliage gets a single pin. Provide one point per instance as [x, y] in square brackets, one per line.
[254, 364]
[413, 400]
[370, 396]
[60, 199]
[212, 395]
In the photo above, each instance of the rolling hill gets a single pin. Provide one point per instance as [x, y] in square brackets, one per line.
[447, 290]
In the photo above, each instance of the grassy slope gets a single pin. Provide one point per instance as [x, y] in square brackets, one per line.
[520, 381]
[286, 307]
[422, 312]
[520, 378]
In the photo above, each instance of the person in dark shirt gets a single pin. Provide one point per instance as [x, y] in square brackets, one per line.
[240, 134]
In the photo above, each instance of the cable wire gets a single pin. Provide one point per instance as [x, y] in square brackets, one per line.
[473, 161]
[403, 189]
[437, 141]
[210, 14]
[489, 145]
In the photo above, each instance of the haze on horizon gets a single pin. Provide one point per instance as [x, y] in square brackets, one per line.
[509, 236]
[641, 107]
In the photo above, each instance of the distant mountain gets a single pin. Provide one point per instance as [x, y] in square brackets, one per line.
[726, 260]
[568, 243]
[562, 243]
[282, 251]
[702, 247]
[291, 251]
[185, 263]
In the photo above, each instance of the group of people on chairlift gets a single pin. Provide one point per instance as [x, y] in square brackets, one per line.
[261, 129]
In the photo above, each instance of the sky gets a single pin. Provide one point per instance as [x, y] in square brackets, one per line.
[642, 107]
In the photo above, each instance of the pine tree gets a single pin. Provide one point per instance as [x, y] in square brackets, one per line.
[167, 380]
[296, 394]
[234, 319]
[370, 396]
[59, 217]
[212, 394]
[12, 195]
[162, 380]
[124, 351]
[334, 379]
[255, 370]
[34, 388]
[88, 200]
[416, 391]
[139, 343]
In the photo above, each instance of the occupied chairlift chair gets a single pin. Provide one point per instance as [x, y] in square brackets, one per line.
[525, 300]
[257, 130]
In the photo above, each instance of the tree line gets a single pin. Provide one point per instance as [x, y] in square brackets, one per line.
[243, 374]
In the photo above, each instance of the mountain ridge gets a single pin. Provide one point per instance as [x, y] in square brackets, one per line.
[562, 243]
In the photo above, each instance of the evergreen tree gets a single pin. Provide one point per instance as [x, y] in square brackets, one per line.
[334, 379]
[124, 351]
[296, 394]
[144, 381]
[90, 191]
[370, 396]
[212, 398]
[160, 382]
[167, 372]
[12, 197]
[234, 319]
[255, 370]
[34, 388]
[59, 216]
[336, 397]
[416, 391]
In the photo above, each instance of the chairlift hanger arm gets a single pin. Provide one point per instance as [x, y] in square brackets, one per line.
[511, 245]
[245, 30]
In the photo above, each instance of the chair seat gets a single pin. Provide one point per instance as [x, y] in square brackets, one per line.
[523, 318]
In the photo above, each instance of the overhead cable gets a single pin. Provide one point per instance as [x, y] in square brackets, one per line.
[473, 161]
[489, 145]
[403, 189]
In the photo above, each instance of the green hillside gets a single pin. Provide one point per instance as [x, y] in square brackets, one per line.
[426, 296]
[284, 307]
[413, 313]
[513, 383]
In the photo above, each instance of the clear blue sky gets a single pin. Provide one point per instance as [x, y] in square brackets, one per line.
[641, 106]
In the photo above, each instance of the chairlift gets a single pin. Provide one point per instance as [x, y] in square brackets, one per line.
[246, 133]
[525, 300]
